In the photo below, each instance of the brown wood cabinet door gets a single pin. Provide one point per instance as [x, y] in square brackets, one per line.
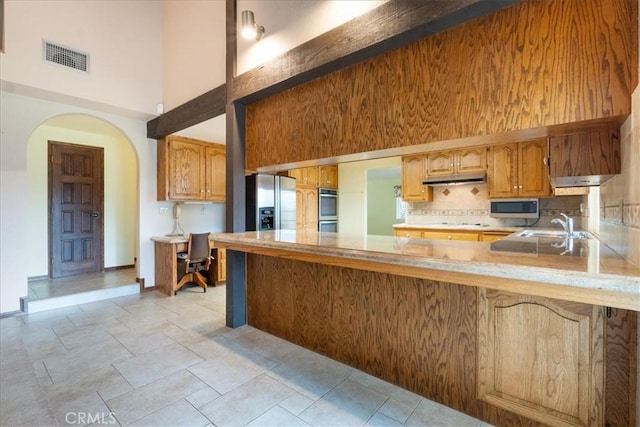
[413, 173]
[305, 177]
[310, 176]
[440, 163]
[471, 160]
[541, 358]
[502, 173]
[186, 170]
[328, 176]
[297, 174]
[76, 192]
[311, 208]
[533, 175]
[300, 212]
[215, 173]
[306, 208]
[222, 265]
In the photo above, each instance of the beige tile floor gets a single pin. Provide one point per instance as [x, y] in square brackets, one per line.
[152, 360]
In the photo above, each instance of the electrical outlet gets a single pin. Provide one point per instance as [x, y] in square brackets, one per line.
[164, 210]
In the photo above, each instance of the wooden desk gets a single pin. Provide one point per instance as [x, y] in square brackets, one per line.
[166, 263]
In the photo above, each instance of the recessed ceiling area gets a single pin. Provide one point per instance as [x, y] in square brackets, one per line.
[212, 130]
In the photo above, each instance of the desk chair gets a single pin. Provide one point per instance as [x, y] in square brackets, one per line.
[197, 259]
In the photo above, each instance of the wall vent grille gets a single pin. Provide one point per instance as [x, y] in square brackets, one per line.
[65, 57]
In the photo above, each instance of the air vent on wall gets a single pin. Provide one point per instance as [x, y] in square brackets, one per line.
[65, 57]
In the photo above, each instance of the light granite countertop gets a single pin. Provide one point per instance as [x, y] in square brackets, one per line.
[591, 273]
[170, 239]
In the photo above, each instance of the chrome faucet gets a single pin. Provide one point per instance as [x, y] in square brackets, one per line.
[567, 224]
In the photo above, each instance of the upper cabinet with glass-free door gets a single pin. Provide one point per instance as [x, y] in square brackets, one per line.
[414, 171]
[519, 170]
[190, 170]
[467, 160]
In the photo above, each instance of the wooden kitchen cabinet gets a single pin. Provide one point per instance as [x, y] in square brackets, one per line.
[414, 171]
[594, 156]
[328, 176]
[306, 208]
[215, 164]
[307, 177]
[407, 232]
[493, 236]
[518, 170]
[541, 358]
[316, 176]
[221, 265]
[190, 170]
[472, 236]
[466, 160]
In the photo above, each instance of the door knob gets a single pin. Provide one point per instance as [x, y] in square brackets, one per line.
[95, 214]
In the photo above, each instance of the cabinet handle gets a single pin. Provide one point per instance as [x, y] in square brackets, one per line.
[449, 237]
[515, 187]
[520, 186]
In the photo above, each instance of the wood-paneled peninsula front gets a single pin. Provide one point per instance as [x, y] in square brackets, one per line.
[505, 334]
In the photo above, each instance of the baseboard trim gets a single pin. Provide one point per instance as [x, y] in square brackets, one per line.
[11, 314]
[140, 281]
[120, 267]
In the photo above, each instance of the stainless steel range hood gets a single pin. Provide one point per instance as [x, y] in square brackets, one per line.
[456, 179]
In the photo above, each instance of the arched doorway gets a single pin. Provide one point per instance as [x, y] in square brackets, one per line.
[120, 201]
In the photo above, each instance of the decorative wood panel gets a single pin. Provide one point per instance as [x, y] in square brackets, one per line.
[532, 65]
[621, 385]
[541, 358]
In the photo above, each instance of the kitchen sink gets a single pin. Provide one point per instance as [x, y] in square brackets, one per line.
[577, 235]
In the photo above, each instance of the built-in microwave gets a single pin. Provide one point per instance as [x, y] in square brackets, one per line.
[514, 208]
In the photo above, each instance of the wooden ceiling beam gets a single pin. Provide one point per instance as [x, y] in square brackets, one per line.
[394, 24]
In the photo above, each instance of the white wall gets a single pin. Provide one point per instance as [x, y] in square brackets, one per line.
[120, 194]
[123, 40]
[381, 205]
[352, 184]
[194, 49]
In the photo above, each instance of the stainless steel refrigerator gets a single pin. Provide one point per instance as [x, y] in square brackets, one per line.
[271, 202]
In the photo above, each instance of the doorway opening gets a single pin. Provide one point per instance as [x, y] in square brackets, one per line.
[383, 203]
[118, 215]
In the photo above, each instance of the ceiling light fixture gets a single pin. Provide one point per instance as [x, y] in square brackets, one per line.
[251, 30]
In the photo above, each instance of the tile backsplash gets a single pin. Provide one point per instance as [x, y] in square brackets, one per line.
[468, 204]
[619, 212]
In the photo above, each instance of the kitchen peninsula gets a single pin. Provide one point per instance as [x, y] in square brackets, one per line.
[499, 332]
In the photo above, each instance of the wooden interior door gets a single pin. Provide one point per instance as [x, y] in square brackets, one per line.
[76, 176]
